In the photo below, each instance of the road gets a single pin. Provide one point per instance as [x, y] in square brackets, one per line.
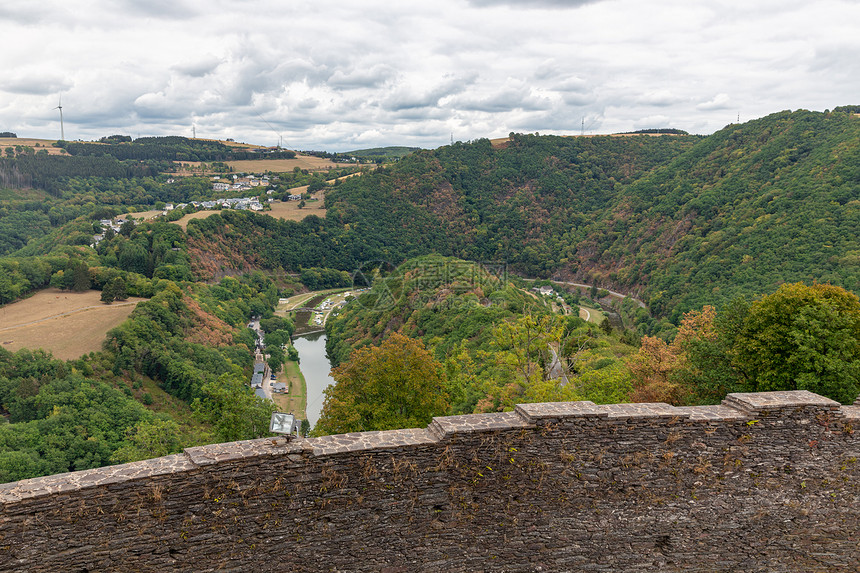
[611, 292]
[260, 358]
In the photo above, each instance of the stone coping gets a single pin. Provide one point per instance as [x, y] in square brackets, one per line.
[217, 453]
[446, 426]
[769, 401]
[72, 481]
[738, 406]
[358, 441]
[852, 412]
[712, 413]
[555, 410]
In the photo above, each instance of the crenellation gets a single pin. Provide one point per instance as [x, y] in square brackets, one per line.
[754, 484]
[760, 403]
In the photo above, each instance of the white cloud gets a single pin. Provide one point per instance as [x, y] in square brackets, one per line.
[330, 75]
[720, 101]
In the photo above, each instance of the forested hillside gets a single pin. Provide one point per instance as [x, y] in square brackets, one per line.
[498, 344]
[774, 200]
[172, 376]
[682, 221]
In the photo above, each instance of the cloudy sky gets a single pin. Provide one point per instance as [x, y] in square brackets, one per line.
[317, 74]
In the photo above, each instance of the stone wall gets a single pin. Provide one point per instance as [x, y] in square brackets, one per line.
[763, 482]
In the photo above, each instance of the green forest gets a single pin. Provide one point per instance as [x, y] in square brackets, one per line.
[742, 247]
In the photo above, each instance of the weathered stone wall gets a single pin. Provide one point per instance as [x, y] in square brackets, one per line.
[764, 482]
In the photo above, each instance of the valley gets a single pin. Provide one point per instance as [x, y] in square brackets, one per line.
[713, 240]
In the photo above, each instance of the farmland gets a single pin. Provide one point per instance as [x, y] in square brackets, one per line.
[145, 215]
[309, 162]
[64, 323]
[290, 211]
[37, 144]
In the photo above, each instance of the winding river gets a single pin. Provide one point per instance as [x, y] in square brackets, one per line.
[315, 368]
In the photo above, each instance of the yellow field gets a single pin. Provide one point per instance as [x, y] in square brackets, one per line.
[67, 324]
[183, 222]
[308, 162]
[30, 142]
[145, 215]
[289, 210]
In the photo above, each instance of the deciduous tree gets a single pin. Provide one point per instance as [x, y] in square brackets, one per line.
[397, 384]
[802, 338]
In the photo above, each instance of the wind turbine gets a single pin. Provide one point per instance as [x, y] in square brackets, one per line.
[62, 129]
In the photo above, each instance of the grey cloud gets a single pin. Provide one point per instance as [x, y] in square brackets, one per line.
[406, 98]
[504, 100]
[720, 101]
[361, 78]
[24, 12]
[659, 98]
[571, 84]
[199, 68]
[161, 9]
[158, 107]
[653, 122]
[398, 72]
[532, 3]
[578, 99]
[35, 83]
[563, 121]
[420, 115]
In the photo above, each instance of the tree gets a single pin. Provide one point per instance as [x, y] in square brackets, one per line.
[276, 358]
[233, 409]
[274, 323]
[76, 276]
[652, 367]
[149, 439]
[134, 258]
[114, 289]
[107, 294]
[126, 228]
[802, 338]
[119, 289]
[397, 384]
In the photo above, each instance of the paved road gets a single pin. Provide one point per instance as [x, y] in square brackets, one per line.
[612, 292]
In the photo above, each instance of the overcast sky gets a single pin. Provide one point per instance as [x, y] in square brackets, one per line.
[352, 74]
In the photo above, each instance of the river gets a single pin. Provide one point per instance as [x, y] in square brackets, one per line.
[315, 368]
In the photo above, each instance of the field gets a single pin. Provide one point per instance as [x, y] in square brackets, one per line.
[290, 211]
[183, 222]
[36, 144]
[67, 324]
[145, 215]
[309, 162]
[295, 400]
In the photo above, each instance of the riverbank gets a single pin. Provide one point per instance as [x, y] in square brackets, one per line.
[295, 400]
